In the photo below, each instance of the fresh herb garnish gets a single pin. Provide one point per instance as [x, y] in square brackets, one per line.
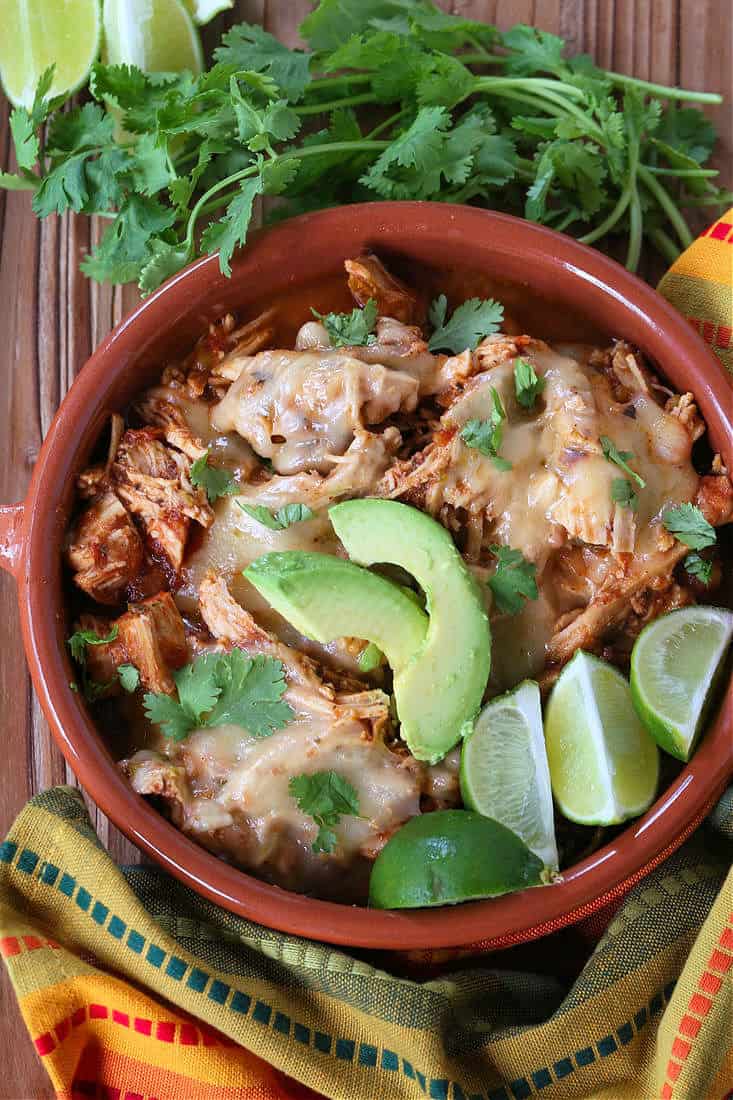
[486, 435]
[468, 324]
[623, 494]
[620, 459]
[350, 329]
[687, 523]
[699, 567]
[326, 797]
[216, 481]
[80, 639]
[284, 517]
[129, 677]
[527, 384]
[514, 580]
[532, 132]
[223, 689]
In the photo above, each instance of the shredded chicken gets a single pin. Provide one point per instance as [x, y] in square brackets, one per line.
[369, 279]
[104, 549]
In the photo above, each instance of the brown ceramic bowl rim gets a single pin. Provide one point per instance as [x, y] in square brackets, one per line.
[31, 536]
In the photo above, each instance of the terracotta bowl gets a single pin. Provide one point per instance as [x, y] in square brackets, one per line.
[165, 325]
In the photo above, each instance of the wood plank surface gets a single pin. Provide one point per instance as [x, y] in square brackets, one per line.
[51, 318]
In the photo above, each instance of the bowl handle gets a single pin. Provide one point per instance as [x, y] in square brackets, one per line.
[11, 537]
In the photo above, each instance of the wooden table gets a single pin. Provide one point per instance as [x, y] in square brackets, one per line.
[51, 318]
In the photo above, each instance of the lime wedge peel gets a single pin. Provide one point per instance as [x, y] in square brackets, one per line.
[154, 35]
[675, 666]
[504, 770]
[604, 765]
[40, 33]
[203, 11]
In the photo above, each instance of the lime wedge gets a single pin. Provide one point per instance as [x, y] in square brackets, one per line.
[203, 11]
[450, 856]
[39, 33]
[156, 35]
[504, 772]
[675, 665]
[604, 766]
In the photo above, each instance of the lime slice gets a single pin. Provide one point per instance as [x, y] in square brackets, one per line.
[675, 664]
[203, 11]
[39, 33]
[604, 766]
[504, 772]
[450, 856]
[156, 35]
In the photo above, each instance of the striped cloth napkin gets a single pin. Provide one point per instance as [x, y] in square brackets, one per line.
[134, 988]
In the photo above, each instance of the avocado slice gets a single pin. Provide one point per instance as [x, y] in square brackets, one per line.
[439, 691]
[325, 597]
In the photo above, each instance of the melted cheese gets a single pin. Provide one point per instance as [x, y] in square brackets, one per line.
[296, 408]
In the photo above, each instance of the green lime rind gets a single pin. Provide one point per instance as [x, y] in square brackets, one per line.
[676, 665]
[451, 856]
[504, 773]
[604, 765]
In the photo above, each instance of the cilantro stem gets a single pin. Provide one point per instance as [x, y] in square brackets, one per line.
[665, 245]
[333, 104]
[333, 81]
[668, 205]
[386, 124]
[682, 173]
[635, 232]
[608, 223]
[549, 88]
[662, 89]
[720, 198]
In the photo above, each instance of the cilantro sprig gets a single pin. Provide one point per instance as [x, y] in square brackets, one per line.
[472, 115]
[620, 459]
[486, 435]
[467, 325]
[223, 689]
[699, 567]
[217, 481]
[77, 643]
[350, 329]
[514, 580]
[528, 385]
[280, 520]
[325, 796]
[687, 523]
[623, 494]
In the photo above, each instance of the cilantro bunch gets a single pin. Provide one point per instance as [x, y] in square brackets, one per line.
[456, 112]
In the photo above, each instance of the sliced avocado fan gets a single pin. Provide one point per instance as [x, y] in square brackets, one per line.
[441, 660]
[439, 691]
[325, 598]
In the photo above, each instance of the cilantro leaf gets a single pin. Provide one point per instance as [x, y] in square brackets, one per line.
[173, 719]
[325, 796]
[293, 513]
[620, 459]
[622, 493]
[514, 580]
[284, 517]
[231, 231]
[11, 182]
[129, 677]
[350, 329]
[687, 523]
[26, 143]
[532, 51]
[261, 514]
[251, 694]
[83, 128]
[468, 324]
[126, 245]
[688, 131]
[80, 639]
[401, 170]
[64, 188]
[223, 688]
[216, 481]
[486, 435]
[699, 567]
[250, 47]
[527, 384]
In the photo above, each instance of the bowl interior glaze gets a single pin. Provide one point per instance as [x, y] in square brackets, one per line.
[287, 260]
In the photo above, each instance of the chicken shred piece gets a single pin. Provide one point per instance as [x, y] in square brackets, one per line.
[105, 550]
[369, 279]
[152, 635]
